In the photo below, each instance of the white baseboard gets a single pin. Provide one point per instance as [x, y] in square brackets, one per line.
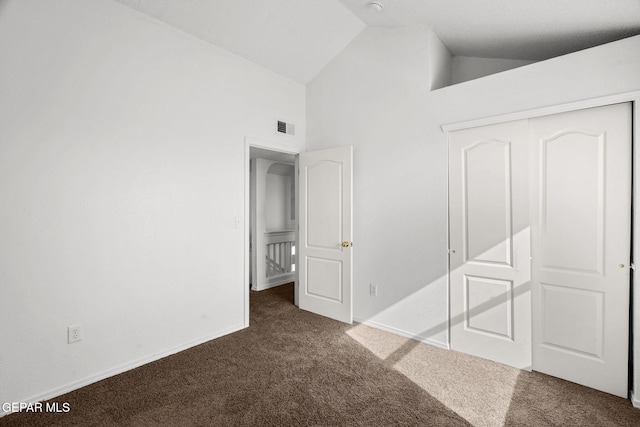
[123, 368]
[402, 333]
[635, 401]
[272, 285]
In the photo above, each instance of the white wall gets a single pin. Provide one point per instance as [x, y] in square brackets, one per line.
[374, 96]
[440, 62]
[278, 201]
[121, 176]
[465, 68]
[591, 73]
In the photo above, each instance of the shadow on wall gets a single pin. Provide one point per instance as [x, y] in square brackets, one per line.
[395, 304]
[408, 346]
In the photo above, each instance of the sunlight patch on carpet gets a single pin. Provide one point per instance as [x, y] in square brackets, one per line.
[478, 390]
[382, 345]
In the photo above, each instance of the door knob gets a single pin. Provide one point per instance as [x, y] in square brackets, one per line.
[346, 244]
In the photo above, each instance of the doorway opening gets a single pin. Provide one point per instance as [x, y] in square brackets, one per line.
[270, 219]
[272, 228]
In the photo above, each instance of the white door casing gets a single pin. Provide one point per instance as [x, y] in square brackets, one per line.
[581, 234]
[489, 243]
[325, 232]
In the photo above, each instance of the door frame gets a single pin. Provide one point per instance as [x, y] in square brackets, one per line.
[634, 299]
[250, 142]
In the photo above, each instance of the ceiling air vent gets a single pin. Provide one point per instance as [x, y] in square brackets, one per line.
[287, 128]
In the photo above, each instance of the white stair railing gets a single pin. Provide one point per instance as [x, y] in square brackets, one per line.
[279, 255]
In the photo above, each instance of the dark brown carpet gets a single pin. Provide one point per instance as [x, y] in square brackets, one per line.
[294, 368]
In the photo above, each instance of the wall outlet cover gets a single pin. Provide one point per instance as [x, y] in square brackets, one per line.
[74, 333]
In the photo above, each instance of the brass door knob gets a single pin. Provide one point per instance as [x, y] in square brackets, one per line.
[346, 244]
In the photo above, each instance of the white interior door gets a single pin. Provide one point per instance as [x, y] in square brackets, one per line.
[489, 243]
[581, 233]
[325, 221]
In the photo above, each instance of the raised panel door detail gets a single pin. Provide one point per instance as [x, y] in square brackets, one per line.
[487, 199]
[325, 185]
[324, 205]
[573, 320]
[573, 187]
[324, 278]
[489, 260]
[489, 306]
[581, 228]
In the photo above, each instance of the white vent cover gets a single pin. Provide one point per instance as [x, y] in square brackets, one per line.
[288, 128]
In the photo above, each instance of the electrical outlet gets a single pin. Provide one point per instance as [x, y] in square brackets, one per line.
[373, 290]
[74, 333]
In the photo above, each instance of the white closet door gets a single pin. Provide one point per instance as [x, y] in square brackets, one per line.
[489, 243]
[581, 191]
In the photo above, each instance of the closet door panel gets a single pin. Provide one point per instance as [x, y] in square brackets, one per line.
[581, 233]
[487, 193]
[489, 243]
[573, 178]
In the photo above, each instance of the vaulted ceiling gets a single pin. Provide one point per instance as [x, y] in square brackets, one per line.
[294, 38]
[297, 38]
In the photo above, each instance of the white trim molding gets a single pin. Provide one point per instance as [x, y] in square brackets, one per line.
[635, 401]
[635, 244]
[545, 111]
[402, 333]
